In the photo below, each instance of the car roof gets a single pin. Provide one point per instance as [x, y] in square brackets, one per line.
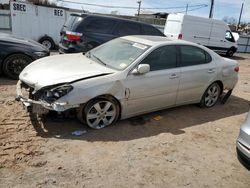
[156, 40]
[111, 17]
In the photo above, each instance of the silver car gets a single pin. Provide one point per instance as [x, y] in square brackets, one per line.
[125, 77]
[243, 143]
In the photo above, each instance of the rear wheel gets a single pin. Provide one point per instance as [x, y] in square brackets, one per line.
[211, 96]
[99, 113]
[14, 64]
[47, 42]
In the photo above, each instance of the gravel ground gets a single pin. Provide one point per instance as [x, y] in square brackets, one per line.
[179, 147]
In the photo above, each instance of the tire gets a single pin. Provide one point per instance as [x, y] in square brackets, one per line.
[47, 42]
[99, 113]
[14, 64]
[230, 52]
[211, 96]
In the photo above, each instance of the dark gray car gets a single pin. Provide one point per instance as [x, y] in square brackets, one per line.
[17, 52]
[83, 32]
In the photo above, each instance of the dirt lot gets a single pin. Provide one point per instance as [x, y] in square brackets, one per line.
[186, 147]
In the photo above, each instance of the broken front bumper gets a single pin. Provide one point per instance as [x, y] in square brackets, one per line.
[39, 106]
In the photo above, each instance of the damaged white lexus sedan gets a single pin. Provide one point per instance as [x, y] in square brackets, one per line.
[126, 77]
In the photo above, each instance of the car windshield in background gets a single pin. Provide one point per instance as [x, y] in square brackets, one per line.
[118, 53]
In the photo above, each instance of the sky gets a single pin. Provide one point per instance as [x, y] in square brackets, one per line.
[222, 8]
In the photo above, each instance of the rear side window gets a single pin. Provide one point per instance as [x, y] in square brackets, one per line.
[150, 30]
[100, 25]
[191, 55]
[161, 58]
[128, 28]
[73, 22]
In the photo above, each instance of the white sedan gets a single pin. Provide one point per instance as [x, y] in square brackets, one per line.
[126, 77]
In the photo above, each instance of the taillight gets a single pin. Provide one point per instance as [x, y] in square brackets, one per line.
[73, 36]
[180, 36]
[237, 69]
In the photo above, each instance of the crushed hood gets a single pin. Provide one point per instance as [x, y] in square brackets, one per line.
[61, 69]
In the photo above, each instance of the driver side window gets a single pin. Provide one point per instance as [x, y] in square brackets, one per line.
[162, 58]
[229, 36]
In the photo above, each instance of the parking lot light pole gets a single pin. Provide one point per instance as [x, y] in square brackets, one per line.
[139, 8]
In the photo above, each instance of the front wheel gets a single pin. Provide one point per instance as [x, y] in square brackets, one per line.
[99, 113]
[211, 96]
[14, 64]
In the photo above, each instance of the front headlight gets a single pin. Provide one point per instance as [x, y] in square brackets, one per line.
[41, 54]
[61, 90]
[56, 93]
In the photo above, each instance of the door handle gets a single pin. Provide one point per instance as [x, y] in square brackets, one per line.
[211, 71]
[173, 76]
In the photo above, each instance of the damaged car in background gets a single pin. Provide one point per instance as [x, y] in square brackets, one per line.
[125, 77]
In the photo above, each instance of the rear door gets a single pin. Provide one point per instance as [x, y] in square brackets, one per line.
[99, 29]
[173, 28]
[128, 28]
[197, 72]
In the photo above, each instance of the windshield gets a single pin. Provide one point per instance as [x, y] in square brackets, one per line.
[118, 53]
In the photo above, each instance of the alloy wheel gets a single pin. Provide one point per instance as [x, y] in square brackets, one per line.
[212, 95]
[101, 114]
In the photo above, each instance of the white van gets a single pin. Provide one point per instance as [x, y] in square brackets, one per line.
[214, 34]
[37, 22]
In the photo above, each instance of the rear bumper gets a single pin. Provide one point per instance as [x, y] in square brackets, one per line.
[72, 48]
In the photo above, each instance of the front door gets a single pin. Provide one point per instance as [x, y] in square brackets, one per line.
[158, 88]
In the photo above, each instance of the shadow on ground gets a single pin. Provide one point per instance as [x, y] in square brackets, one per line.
[7, 81]
[236, 57]
[172, 121]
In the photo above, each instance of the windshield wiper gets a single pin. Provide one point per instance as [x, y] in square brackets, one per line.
[99, 60]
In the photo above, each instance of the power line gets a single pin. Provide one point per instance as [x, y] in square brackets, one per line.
[189, 10]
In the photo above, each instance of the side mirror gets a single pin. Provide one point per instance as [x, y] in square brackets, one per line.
[141, 69]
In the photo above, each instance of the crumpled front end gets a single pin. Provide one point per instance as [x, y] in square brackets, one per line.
[45, 99]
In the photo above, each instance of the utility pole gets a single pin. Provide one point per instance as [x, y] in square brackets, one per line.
[242, 6]
[187, 9]
[211, 9]
[139, 8]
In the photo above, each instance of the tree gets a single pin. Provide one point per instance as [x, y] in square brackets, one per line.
[230, 20]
